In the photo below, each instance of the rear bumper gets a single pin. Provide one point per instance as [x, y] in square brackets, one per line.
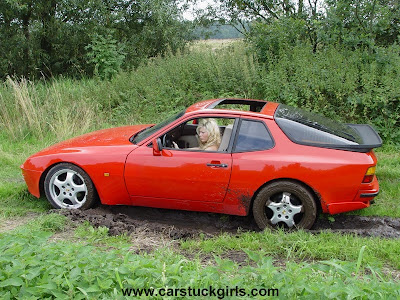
[363, 199]
[337, 208]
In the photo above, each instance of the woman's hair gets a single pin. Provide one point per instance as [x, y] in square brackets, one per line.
[214, 135]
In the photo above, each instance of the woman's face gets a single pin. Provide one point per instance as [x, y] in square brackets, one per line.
[203, 135]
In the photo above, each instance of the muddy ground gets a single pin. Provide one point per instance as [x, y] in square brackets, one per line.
[175, 225]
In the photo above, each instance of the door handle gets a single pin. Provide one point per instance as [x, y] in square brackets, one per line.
[217, 165]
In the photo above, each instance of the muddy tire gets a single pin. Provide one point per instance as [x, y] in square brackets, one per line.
[68, 186]
[284, 204]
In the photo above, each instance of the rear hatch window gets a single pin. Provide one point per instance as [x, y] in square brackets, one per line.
[308, 128]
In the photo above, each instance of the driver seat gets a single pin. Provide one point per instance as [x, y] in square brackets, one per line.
[225, 138]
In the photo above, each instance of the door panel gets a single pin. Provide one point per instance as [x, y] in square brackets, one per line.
[178, 174]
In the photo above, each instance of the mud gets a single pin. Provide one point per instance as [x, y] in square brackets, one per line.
[172, 223]
[384, 227]
[177, 225]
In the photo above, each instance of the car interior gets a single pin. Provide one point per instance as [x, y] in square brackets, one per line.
[185, 135]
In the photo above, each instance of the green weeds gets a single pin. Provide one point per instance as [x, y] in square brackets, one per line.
[31, 267]
[100, 236]
[48, 223]
[15, 200]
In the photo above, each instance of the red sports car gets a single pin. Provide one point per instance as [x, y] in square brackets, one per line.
[230, 156]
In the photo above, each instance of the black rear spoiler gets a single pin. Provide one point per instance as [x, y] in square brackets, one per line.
[369, 136]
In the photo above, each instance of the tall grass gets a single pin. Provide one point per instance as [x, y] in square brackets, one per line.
[347, 86]
[24, 107]
[29, 110]
[65, 107]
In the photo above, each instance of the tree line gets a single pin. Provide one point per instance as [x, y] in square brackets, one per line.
[45, 38]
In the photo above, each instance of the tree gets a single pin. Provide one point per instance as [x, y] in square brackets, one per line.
[49, 37]
[362, 22]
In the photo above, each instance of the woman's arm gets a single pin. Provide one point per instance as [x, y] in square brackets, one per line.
[211, 148]
[177, 147]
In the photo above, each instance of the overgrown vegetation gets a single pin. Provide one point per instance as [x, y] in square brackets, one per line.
[343, 62]
[32, 267]
[349, 86]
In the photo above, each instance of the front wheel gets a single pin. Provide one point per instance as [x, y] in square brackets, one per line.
[68, 186]
[284, 204]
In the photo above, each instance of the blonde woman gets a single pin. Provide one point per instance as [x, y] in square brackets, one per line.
[208, 135]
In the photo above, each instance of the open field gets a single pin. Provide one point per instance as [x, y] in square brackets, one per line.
[213, 44]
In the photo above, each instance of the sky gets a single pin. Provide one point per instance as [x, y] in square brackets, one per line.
[201, 4]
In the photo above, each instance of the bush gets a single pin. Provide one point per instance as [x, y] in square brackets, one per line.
[105, 56]
[347, 85]
[350, 86]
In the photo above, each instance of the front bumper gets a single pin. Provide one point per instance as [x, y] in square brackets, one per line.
[32, 179]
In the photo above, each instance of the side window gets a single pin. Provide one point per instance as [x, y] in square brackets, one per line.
[204, 134]
[253, 135]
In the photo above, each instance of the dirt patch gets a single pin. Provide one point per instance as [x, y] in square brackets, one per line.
[177, 225]
[173, 223]
[14, 222]
[66, 235]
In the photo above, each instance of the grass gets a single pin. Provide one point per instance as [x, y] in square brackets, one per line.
[29, 110]
[31, 267]
[302, 245]
[46, 222]
[388, 173]
[15, 200]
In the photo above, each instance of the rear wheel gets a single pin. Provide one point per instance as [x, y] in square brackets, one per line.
[284, 204]
[68, 186]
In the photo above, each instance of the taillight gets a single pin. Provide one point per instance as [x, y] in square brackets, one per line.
[369, 175]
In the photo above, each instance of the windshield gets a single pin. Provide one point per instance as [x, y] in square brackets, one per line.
[317, 122]
[141, 135]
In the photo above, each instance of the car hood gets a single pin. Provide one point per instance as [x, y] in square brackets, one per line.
[118, 136]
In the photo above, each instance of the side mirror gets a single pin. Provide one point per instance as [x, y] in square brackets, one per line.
[157, 147]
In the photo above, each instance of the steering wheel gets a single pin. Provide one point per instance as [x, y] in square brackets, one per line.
[167, 141]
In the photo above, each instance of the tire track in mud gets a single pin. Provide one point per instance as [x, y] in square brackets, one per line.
[177, 224]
